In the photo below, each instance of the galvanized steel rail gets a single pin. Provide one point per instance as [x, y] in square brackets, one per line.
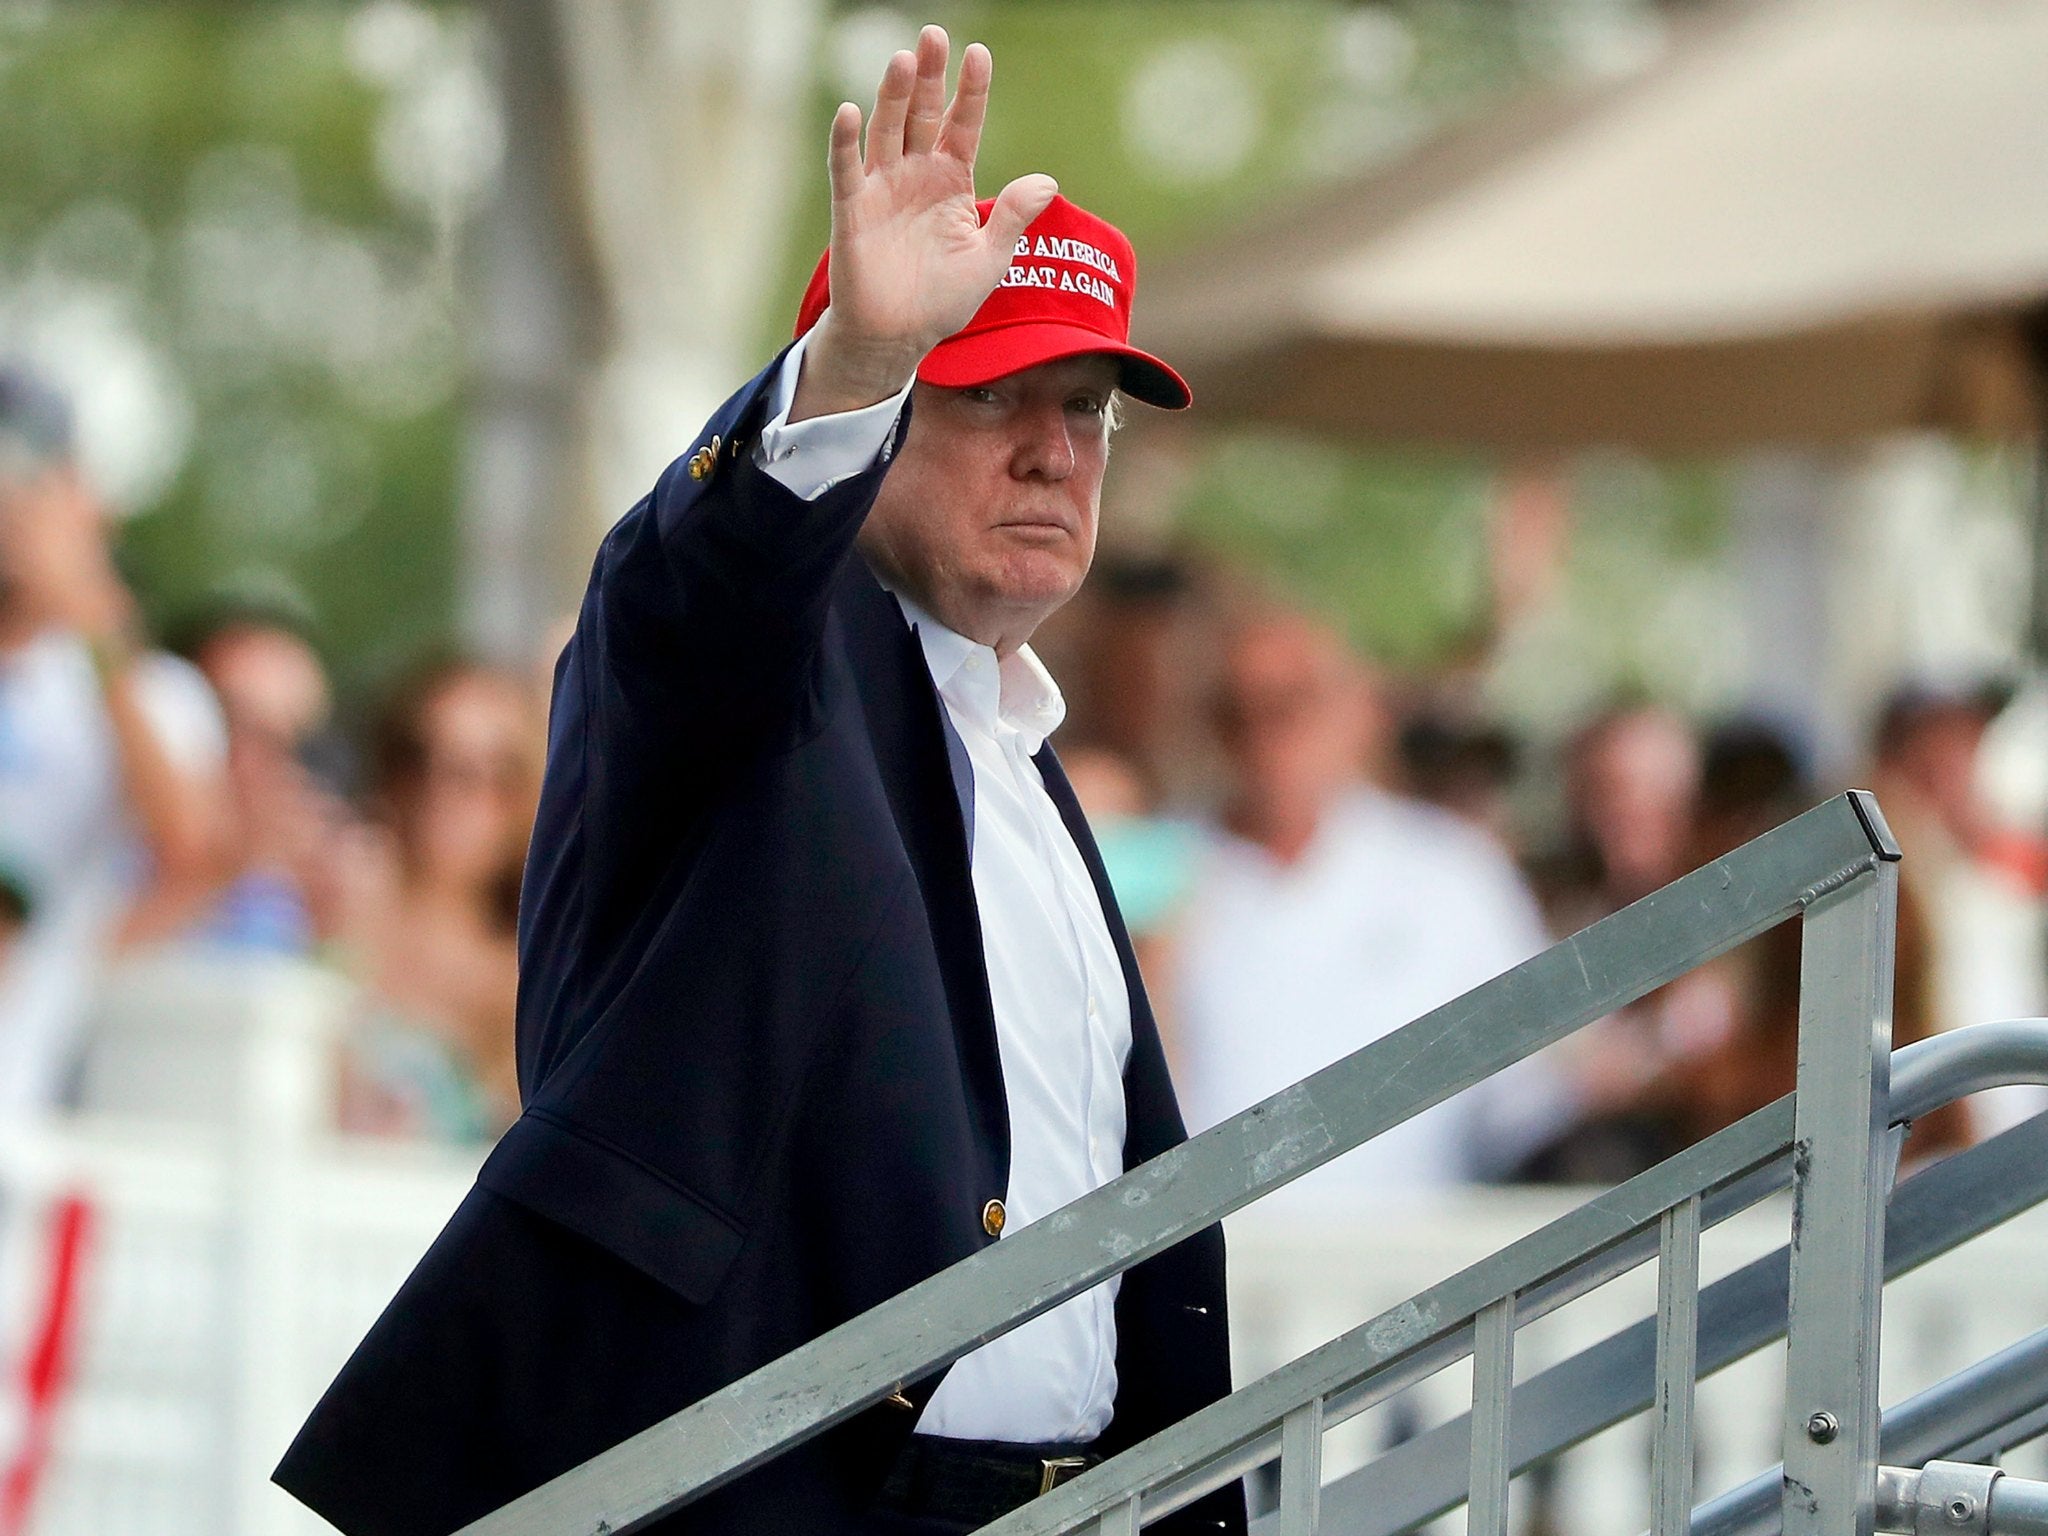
[1833, 867]
[1930, 1214]
[1958, 1499]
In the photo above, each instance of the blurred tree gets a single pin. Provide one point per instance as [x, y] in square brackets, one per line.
[247, 237]
[230, 232]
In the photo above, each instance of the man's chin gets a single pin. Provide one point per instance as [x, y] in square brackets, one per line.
[1042, 581]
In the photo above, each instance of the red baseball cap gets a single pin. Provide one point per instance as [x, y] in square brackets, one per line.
[1067, 293]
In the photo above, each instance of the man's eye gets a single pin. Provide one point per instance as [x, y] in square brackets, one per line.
[979, 396]
[1090, 404]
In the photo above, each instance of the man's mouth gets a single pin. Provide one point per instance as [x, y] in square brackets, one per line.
[1046, 528]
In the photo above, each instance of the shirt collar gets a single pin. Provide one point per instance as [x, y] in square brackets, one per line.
[1015, 692]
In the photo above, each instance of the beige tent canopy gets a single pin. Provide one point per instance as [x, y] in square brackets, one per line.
[1816, 220]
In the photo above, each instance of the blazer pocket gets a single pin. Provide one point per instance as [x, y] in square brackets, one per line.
[634, 1212]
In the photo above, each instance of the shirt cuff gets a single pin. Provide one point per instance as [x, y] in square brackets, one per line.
[809, 457]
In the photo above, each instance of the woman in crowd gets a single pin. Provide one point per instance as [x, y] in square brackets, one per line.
[454, 770]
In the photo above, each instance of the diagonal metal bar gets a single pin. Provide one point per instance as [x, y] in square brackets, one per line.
[1933, 1212]
[1425, 1477]
[1217, 1443]
[1994, 1443]
[905, 1339]
[1258, 1448]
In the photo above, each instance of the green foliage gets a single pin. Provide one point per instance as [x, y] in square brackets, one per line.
[211, 182]
[1393, 545]
[207, 175]
[1279, 93]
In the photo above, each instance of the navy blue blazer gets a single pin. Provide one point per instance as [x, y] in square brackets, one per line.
[759, 1063]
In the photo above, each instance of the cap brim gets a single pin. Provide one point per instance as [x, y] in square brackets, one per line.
[981, 356]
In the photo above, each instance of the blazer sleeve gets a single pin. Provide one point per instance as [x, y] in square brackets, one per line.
[708, 601]
[696, 652]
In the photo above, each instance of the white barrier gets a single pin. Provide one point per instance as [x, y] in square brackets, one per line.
[238, 1251]
[209, 1324]
[241, 1250]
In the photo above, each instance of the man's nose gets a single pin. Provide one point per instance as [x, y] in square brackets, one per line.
[1045, 445]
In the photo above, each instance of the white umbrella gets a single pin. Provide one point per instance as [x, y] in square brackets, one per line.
[1815, 221]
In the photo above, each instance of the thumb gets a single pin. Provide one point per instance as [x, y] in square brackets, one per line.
[1016, 206]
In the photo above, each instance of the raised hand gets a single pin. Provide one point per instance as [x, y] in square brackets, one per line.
[911, 262]
[55, 566]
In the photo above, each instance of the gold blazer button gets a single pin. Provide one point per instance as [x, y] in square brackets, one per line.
[992, 1218]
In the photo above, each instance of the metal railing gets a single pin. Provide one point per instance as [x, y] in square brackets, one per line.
[1960, 1500]
[1975, 1416]
[1832, 867]
[1930, 1214]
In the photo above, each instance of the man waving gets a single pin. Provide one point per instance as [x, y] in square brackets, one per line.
[824, 989]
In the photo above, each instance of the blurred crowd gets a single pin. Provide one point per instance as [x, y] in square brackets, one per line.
[199, 791]
[1310, 851]
[1313, 851]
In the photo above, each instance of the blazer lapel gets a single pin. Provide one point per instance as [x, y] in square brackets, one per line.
[963, 773]
[930, 784]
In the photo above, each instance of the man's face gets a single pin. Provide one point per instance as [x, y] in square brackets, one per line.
[988, 515]
[1295, 713]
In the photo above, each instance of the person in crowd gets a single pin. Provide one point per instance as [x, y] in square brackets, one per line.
[1924, 751]
[823, 990]
[110, 753]
[1743, 1051]
[17, 904]
[293, 839]
[1464, 764]
[1631, 785]
[1693, 1055]
[454, 768]
[1328, 912]
[1723, 1040]
[1131, 653]
[1631, 775]
[1976, 881]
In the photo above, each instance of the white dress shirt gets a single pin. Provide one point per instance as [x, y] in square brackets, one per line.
[1062, 1013]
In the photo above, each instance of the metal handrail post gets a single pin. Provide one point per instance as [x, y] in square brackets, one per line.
[1841, 1169]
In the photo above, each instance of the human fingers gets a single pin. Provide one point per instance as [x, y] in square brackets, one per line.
[892, 102]
[1016, 206]
[842, 154]
[960, 134]
[928, 93]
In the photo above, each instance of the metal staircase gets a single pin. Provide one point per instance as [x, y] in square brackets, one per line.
[1834, 1142]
